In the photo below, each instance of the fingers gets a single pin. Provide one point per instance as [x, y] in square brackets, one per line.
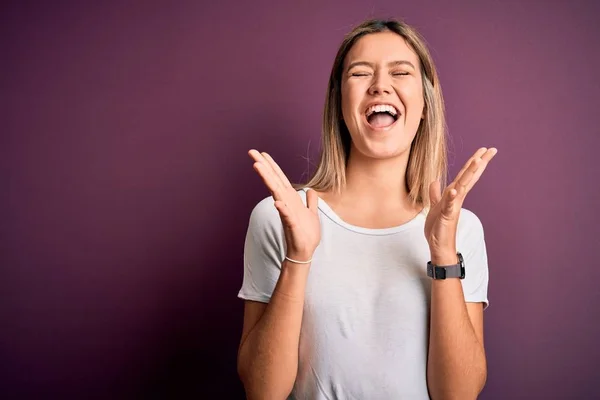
[456, 192]
[451, 202]
[269, 179]
[468, 174]
[269, 176]
[435, 194]
[482, 164]
[278, 171]
[473, 169]
[487, 157]
[312, 200]
[478, 154]
[268, 161]
[258, 157]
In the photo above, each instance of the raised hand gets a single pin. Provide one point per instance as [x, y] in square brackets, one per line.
[442, 220]
[301, 222]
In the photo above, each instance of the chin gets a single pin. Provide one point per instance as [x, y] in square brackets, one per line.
[390, 146]
[382, 151]
[386, 155]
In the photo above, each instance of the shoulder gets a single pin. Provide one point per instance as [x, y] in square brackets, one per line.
[264, 215]
[469, 220]
[469, 224]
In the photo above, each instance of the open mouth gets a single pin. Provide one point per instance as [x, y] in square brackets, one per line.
[381, 116]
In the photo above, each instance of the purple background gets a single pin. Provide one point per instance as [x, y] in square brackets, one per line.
[127, 188]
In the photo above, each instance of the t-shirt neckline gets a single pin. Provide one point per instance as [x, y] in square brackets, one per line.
[328, 211]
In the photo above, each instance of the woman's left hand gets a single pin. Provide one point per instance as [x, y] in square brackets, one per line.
[442, 221]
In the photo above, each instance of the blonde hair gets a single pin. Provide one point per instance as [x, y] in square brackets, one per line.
[427, 159]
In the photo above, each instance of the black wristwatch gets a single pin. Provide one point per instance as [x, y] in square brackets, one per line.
[447, 271]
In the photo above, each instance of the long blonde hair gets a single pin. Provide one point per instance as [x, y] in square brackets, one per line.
[427, 159]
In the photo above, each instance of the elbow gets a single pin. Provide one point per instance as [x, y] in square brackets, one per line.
[462, 394]
[481, 383]
[259, 391]
[248, 381]
[479, 380]
[245, 377]
[259, 387]
[459, 389]
[241, 371]
[252, 390]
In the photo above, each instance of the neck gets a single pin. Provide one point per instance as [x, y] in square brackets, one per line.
[378, 182]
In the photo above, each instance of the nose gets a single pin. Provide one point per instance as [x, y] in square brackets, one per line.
[381, 84]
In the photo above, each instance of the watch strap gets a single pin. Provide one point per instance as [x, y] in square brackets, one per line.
[447, 271]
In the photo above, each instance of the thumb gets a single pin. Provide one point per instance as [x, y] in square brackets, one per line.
[435, 192]
[312, 200]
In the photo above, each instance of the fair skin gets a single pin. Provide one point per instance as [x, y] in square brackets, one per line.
[380, 68]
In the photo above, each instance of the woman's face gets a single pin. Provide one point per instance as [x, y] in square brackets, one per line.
[382, 95]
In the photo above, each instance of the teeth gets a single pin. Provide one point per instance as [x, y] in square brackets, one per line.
[381, 108]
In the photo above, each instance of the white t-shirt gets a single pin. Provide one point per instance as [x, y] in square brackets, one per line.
[365, 326]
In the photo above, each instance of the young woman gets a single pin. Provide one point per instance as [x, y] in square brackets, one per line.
[370, 281]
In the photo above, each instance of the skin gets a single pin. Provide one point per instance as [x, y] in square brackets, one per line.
[374, 197]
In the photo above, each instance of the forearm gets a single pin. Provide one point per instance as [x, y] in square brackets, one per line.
[456, 361]
[269, 354]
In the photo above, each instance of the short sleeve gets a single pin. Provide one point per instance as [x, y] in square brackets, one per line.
[471, 243]
[264, 248]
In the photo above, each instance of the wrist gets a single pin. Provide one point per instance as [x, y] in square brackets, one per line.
[301, 257]
[441, 258]
[295, 271]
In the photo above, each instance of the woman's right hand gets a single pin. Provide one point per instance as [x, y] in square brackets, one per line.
[301, 223]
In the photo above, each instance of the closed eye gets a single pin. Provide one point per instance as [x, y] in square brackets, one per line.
[400, 73]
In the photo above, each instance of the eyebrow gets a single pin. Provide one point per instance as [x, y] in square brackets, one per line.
[390, 64]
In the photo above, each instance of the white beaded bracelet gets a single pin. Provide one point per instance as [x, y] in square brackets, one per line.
[298, 262]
